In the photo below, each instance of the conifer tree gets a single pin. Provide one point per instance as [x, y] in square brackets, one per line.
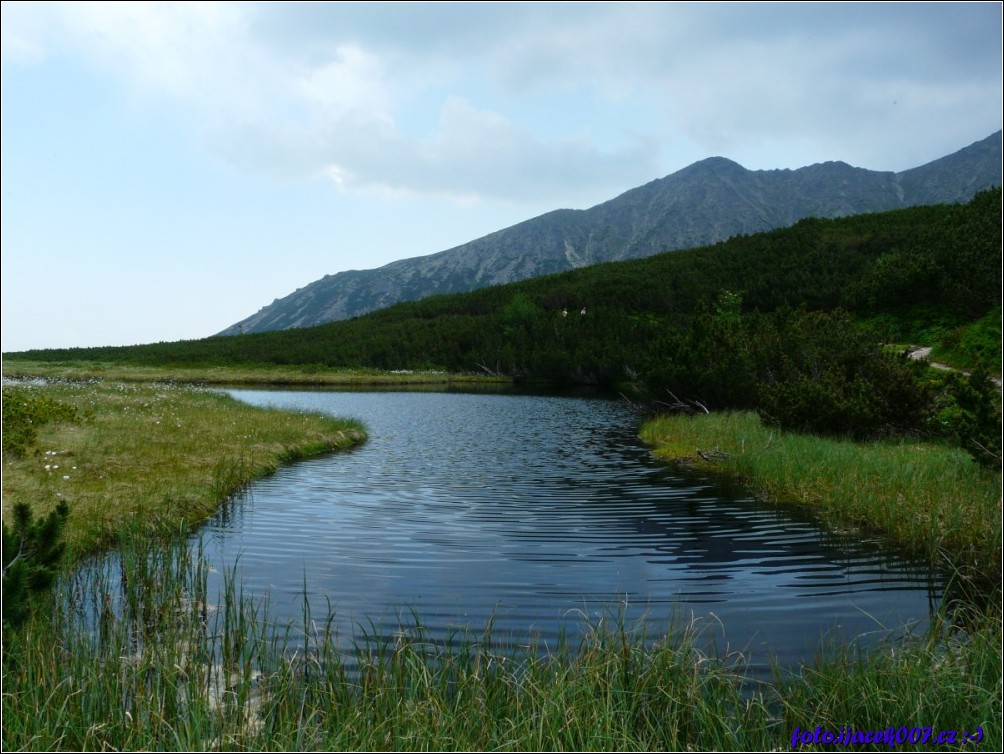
[31, 553]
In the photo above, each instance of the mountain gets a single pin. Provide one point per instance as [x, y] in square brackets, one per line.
[707, 202]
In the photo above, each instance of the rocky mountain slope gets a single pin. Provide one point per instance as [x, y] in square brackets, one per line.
[702, 204]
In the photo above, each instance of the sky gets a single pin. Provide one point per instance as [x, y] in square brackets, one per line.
[169, 169]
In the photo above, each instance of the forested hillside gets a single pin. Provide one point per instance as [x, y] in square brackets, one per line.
[704, 203]
[789, 322]
[919, 267]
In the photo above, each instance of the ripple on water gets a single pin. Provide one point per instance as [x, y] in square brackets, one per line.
[539, 512]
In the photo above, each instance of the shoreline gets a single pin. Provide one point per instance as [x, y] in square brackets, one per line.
[155, 457]
[925, 497]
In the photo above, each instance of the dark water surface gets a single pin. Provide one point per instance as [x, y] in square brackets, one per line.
[544, 512]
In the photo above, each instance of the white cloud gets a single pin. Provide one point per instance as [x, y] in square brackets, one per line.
[473, 154]
[333, 89]
[352, 81]
[486, 155]
[332, 111]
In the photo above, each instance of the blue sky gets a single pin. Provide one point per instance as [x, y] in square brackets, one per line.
[169, 169]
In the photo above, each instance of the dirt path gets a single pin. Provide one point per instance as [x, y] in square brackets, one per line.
[918, 352]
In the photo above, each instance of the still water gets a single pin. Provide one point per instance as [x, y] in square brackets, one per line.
[544, 513]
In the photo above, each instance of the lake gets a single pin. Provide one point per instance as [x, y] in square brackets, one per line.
[543, 514]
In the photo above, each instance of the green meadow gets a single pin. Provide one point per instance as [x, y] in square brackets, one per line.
[159, 457]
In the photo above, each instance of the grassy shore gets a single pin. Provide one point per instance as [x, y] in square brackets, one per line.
[142, 657]
[159, 456]
[266, 374]
[923, 496]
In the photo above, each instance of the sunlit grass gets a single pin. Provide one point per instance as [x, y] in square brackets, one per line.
[157, 456]
[925, 496]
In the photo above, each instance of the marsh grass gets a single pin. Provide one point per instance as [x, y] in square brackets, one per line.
[946, 682]
[137, 655]
[157, 456]
[924, 496]
[264, 374]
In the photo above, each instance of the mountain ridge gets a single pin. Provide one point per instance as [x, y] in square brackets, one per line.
[704, 203]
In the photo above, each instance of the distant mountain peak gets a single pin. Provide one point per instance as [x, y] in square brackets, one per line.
[713, 165]
[718, 162]
[704, 203]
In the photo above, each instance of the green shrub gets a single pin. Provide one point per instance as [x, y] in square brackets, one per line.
[965, 410]
[24, 411]
[831, 376]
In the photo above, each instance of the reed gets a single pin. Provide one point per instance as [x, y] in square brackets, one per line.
[136, 654]
[924, 496]
[935, 682]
